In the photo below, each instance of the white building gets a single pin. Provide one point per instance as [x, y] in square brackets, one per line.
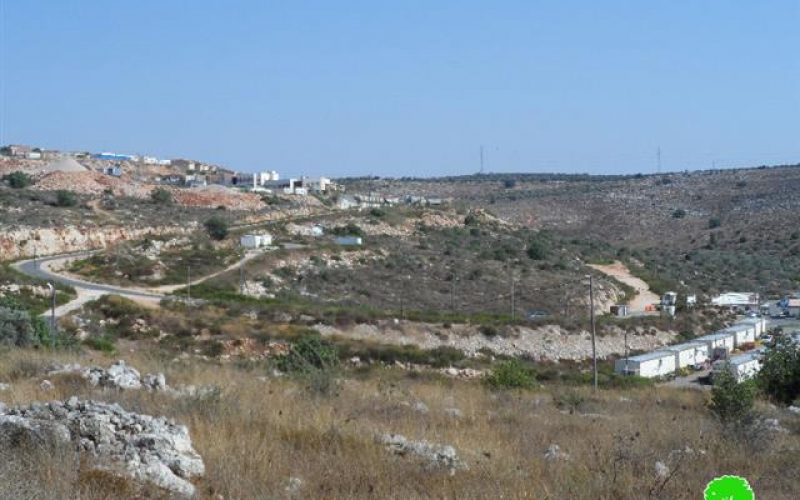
[649, 365]
[742, 334]
[736, 299]
[256, 240]
[760, 324]
[720, 344]
[315, 184]
[743, 367]
[348, 241]
[314, 230]
[689, 354]
[346, 203]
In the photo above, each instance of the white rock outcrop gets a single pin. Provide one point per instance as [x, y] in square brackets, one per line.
[434, 455]
[145, 448]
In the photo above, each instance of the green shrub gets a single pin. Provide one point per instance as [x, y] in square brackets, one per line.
[65, 198]
[489, 330]
[217, 227]
[116, 306]
[537, 249]
[104, 344]
[679, 213]
[731, 401]
[16, 328]
[714, 223]
[348, 230]
[511, 374]
[18, 180]
[779, 377]
[570, 401]
[161, 196]
[308, 354]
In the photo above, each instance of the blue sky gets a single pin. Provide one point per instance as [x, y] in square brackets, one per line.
[408, 87]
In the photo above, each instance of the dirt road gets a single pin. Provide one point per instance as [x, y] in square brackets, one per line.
[620, 272]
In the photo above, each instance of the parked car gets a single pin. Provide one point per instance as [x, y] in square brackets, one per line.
[537, 314]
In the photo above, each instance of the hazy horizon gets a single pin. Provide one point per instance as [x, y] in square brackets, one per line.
[356, 88]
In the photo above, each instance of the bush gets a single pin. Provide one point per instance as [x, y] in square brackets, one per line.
[66, 198]
[779, 377]
[308, 354]
[18, 180]
[314, 360]
[714, 223]
[509, 183]
[103, 344]
[537, 249]
[19, 328]
[679, 214]
[731, 401]
[161, 196]
[348, 230]
[511, 374]
[489, 331]
[217, 227]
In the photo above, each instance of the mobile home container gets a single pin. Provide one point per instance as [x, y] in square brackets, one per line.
[256, 240]
[743, 367]
[689, 354]
[760, 325]
[649, 365]
[719, 344]
[348, 241]
[742, 334]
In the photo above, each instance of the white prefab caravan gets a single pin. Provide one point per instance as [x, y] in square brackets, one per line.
[650, 365]
[743, 367]
[760, 325]
[742, 334]
[689, 355]
[256, 240]
[719, 344]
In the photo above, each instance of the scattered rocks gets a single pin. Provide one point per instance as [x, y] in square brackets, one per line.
[123, 377]
[795, 409]
[293, 485]
[434, 455]
[467, 373]
[4, 386]
[453, 412]
[773, 425]
[420, 407]
[117, 376]
[46, 385]
[145, 448]
[662, 471]
[554, 454]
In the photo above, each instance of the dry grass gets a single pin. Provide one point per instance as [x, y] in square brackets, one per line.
[260, 432]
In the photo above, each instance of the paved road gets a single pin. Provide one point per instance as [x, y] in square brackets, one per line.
[37, 269]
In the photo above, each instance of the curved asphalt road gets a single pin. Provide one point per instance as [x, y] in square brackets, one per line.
[34, 269]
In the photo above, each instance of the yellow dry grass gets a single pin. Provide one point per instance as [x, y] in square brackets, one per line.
[262, 431]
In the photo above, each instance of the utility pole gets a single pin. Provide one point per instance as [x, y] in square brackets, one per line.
[658, 159]
[453, 280]
[513, 304]
[591, 315]
[53, 332]
[241, 274]
[626, 351]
